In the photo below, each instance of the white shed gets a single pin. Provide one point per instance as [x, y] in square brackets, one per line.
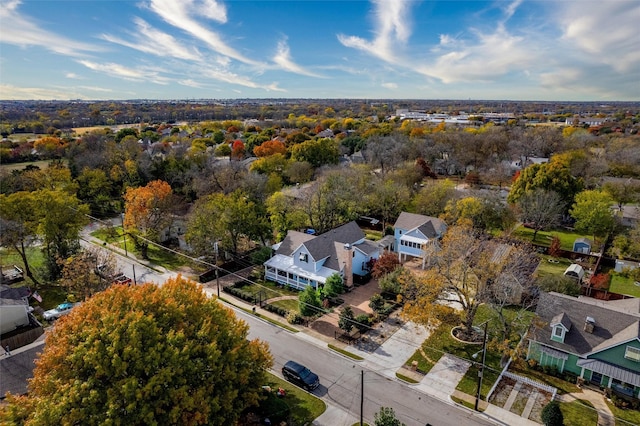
[574, 271]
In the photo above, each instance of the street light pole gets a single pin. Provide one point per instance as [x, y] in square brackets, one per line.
[481, 370]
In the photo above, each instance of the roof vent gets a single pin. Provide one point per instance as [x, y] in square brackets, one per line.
[589, 324]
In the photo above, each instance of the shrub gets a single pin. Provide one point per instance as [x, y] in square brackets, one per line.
[295, 318]
[600, 281]
[363, 323]
[345, 321]
[551, 414]
[276, 310]
[376, 303]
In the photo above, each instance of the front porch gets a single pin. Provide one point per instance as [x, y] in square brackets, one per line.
[281, 269]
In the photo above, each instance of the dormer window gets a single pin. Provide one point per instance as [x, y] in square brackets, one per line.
[557, 331]
[304, 257]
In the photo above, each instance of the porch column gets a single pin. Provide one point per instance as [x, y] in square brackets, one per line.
[582, 372]
[609, 383]
[563, 361]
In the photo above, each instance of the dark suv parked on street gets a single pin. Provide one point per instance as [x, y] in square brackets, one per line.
[300, 375]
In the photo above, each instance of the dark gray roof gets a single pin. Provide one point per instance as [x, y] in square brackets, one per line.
[292, 241]
[17, 368]
[367, 247]
[14, 293]
[329, 246]
[431, 227]
[322, 246]
[611, 325]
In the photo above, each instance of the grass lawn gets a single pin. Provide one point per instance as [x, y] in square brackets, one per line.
[269, 289]
[622, 285]
[35, 257]
[555, 267]
[291, 305]
[9, 167]
[303, 406]
[578, 413]
[544, 238]
[624, 417]
[155, 254]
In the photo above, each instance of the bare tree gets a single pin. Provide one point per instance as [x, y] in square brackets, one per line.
[540, 209]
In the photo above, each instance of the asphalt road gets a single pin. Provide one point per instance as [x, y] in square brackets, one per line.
[340, 381]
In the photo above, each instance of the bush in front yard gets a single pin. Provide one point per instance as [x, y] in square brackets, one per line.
[551, 414]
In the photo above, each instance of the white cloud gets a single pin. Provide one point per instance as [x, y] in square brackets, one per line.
[283, 59]
[20, 31]
[10, 92]
[609, 34]
[190, 83]
[73, 76]
[150, 40]
[392, 30]
[183, 14]
[389, 85]
[134, 74]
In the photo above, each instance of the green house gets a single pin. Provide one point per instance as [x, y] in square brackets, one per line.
[597, 340]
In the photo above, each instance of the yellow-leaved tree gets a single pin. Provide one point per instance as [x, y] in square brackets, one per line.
[144, 355]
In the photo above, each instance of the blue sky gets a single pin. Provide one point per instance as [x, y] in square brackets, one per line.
[179, 49]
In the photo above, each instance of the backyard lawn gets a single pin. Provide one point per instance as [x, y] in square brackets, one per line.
[544, 238]
[552, 266]
[303, 407]
[624, 285]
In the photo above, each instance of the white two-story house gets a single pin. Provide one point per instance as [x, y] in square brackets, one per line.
[303, 260]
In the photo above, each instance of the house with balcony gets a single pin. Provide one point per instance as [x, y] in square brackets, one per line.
[413, 232]
[599, 341]
[303, 260]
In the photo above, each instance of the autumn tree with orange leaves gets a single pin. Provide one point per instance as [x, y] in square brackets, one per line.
[269, 148]
[145, 355]
[148, 213]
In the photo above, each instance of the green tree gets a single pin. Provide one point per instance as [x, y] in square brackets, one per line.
[283, 214]
[592, 212]
[386, 417]
[346, 319]
[19, 225]
[317, 152]
[376, 303]
[553, 176]
[552, 415]
[333, 286]
[146, 355]
[309, 302]
[94, 189]
[225, 219]
[434, 197]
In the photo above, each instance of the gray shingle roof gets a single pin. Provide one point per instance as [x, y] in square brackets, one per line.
[16, 369]
[431, 227]
[611, 325]
[292, 241]
[329, 246]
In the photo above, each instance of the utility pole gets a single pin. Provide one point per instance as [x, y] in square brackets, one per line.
[481, 370]
[124, 235]
[361, 396]
[134, 275]
[215, 250]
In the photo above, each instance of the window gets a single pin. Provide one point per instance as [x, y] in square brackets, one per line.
[557, 331]
[304, 257]
[632, 353]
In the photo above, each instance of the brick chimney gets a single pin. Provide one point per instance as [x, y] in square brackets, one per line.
[348, 267]
[589, 324]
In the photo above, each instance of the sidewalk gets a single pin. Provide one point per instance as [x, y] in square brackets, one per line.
[388, 359]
